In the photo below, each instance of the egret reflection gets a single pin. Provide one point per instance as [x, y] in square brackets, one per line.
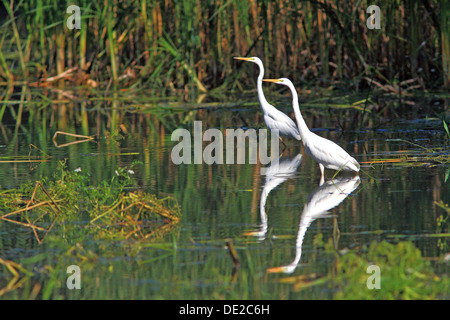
[324, 198]
[276, 174]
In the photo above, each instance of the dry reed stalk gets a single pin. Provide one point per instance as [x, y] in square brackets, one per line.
[233, 254]
[71, 135]
[51, 203]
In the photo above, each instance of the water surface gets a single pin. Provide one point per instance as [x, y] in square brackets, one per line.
[279, 222]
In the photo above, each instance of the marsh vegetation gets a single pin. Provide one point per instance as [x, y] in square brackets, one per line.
[86, 176]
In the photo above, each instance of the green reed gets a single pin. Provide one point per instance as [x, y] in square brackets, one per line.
[181, 46]
[445, 32]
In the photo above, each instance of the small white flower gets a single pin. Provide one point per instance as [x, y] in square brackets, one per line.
[78, 169]
[117, 172]
[130, 171]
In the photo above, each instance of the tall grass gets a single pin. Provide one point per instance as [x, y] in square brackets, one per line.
[187, 45]
[445, 32]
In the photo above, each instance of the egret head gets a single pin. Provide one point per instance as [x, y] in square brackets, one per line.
[250, 59]
[283, 81]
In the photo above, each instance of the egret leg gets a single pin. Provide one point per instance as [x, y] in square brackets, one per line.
[322, 178]
[322, 168]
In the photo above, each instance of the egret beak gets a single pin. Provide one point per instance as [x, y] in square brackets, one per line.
[241, 58]
[273, 80]
[251, 233]
[275, 270]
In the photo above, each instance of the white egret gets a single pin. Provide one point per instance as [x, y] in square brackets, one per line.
[274, 118]
[325, 152]
[277, 173]
[318, 204]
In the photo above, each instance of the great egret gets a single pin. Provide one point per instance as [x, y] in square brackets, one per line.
[327, 153]
[318, 204]
[274, 118]
[276, 174]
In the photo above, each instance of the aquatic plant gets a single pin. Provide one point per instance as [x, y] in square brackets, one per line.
[181, 47]
[112, 210]
[403, 274]
[65, 212]
[420, 156]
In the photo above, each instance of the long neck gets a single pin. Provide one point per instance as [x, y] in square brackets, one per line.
[262, 99]
[302, 127]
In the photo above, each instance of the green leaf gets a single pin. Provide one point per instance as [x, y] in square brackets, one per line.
[446, 128]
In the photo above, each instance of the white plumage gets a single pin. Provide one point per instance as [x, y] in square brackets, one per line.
[325, 152]
[319, 202]
[274, 118]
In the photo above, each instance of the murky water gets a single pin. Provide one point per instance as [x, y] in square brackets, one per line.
[279, 222]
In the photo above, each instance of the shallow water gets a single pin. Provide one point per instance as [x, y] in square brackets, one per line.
[282, 218]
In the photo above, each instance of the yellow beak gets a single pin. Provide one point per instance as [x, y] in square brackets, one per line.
[275, 270]
[272, 80]
[241, 58]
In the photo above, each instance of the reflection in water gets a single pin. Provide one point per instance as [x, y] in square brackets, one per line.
[276, 174]
[324, 198]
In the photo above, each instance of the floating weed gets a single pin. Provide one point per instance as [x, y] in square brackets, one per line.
[329, 103]
[112, 211]
[130, 216]
[85, 138]
[404, 274]
[413, 158]
[30, 158]
[35, 278]
[40, 205]
[18, 273]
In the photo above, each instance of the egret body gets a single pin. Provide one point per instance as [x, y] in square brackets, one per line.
[325, 152]
[274, 118]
